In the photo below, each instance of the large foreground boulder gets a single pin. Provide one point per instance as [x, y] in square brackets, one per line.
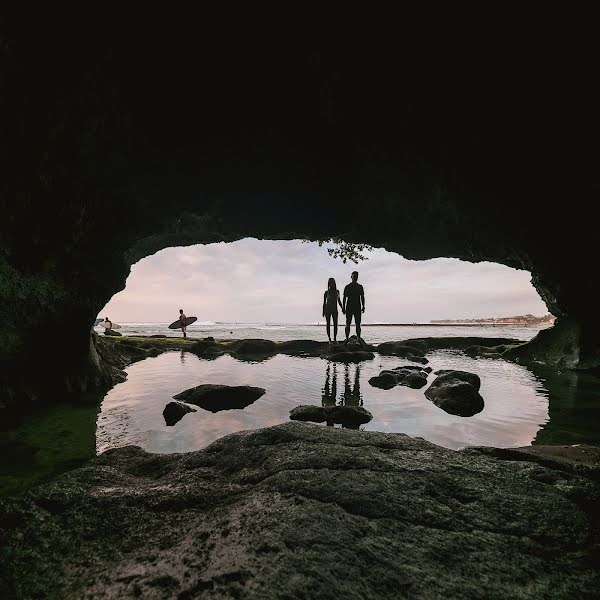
[349, 416]
[215, 397]
[456, 392]
[305, 511]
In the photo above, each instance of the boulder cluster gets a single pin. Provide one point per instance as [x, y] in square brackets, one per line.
[413, 377]
[456, 392]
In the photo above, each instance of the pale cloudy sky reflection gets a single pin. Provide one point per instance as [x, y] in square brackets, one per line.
[284, 281]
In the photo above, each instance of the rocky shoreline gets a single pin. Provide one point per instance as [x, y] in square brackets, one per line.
[136, 348]
[299, 511]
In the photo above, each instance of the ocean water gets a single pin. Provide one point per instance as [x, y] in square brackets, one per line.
[516, 399]
[284, 332]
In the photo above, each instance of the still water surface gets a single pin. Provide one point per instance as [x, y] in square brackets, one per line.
[516, 401]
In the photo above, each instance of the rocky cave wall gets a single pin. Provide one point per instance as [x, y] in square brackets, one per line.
[124, 137]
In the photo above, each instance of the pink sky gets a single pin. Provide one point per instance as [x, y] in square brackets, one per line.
[284, 281]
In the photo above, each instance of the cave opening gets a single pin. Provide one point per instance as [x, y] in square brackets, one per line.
[283, 281]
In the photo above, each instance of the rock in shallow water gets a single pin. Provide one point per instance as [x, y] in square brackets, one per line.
[304, 511]
[410, 376]
[385, 380]
[214, 397]
[350, 357]
[254, 347]
[302, 347]
[403, 351]
[175, 411]
[456, 392]
[350, 416]
[471, 378]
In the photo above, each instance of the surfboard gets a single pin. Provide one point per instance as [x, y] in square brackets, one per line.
[177, 324]
[105, 324]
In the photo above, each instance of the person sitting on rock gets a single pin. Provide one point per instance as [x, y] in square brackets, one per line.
[354, 305]
[331, 299]
[183, 319]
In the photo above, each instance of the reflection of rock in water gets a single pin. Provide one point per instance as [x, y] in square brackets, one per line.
[329, 391]
[352, 395]
[182, 357]
[573, 406]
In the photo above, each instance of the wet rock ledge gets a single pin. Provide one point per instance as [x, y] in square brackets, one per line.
[306, 511]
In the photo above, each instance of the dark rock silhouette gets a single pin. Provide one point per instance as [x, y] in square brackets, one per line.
[471, 378]
[112, 333]
[350, 357]
[207, 347]
[302, 347]
[308, 412]
[410, 376]
[385, 380]
[402, 350]
[255, 346]
[298, 509]
[343, 414]
[215, 397]
[456, 392]
[414, 380]
[175, 411]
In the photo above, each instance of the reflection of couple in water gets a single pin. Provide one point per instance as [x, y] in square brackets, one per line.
[353, 306]
[351, 395]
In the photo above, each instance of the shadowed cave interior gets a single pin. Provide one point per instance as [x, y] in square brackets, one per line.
[459, 133]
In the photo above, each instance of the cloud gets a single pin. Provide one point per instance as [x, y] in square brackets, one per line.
[284, 281]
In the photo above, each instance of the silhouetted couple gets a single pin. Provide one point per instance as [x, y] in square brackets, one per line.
[353, 306]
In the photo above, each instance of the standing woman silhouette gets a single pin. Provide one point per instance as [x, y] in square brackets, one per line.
[331, 299]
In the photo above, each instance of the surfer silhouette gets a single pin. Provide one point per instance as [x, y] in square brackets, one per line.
[354, 305]
[107, 320]
[331, 298]
[182, 318]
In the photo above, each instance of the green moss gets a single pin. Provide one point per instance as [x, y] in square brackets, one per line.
[170, 343]
[160, 343]
[512, 346]
[34, 292]
[46, 443]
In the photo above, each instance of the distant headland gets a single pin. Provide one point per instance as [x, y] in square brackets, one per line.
[518, 320]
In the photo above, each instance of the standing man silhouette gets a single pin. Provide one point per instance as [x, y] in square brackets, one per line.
[354, 304]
